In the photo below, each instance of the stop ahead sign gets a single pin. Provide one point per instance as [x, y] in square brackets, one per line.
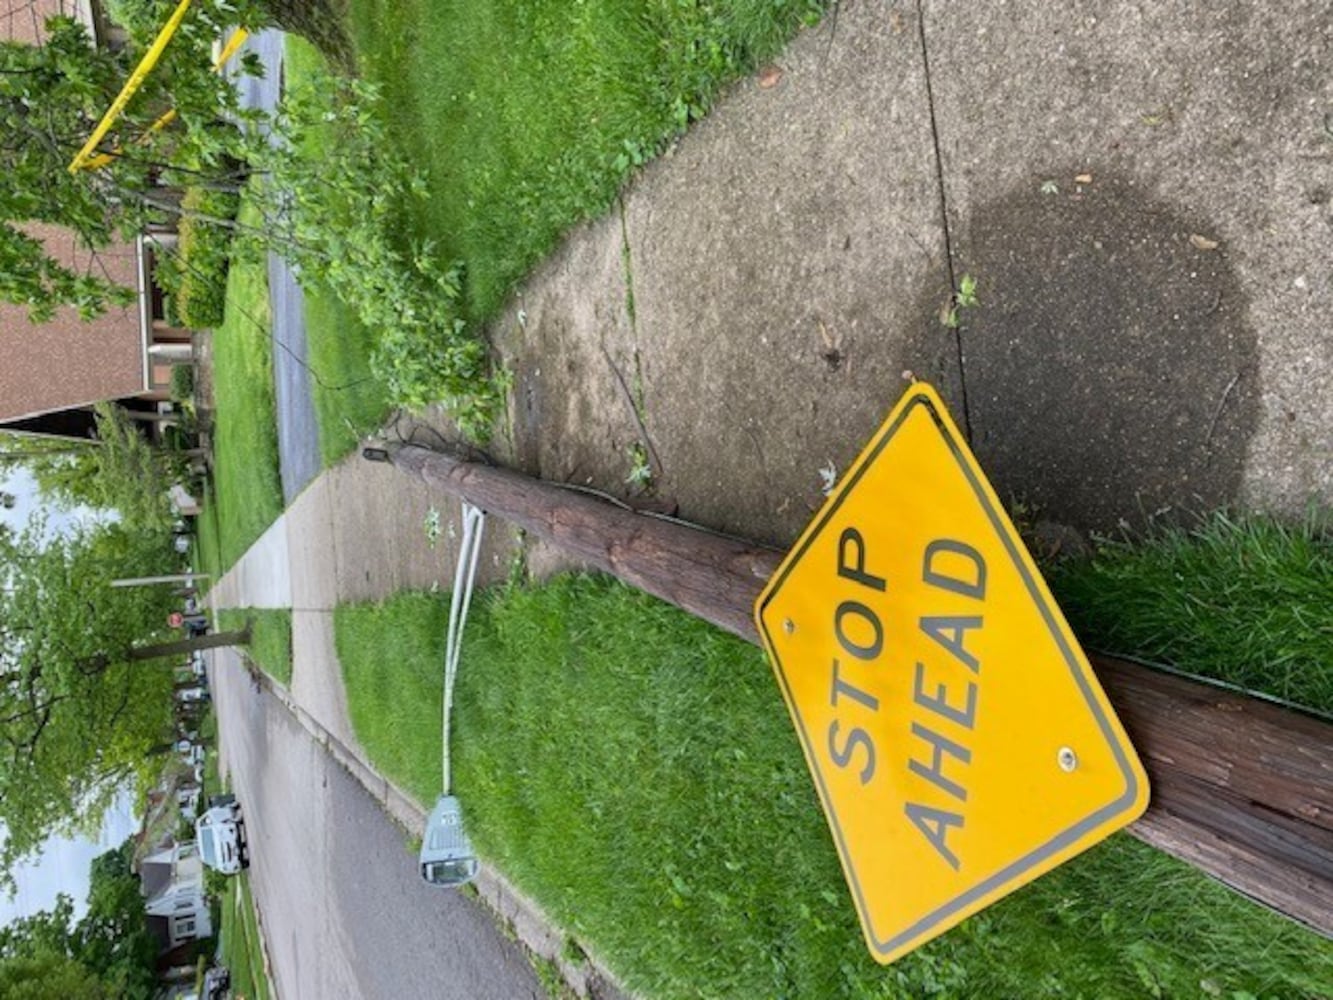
[959, 741]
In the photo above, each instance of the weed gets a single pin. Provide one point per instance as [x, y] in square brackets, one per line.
[432, 525]
[641, 470]
[967, 292]
[964, 298]
[548, 974]
[572, 953]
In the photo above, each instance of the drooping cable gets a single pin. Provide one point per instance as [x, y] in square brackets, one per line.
[469, 549]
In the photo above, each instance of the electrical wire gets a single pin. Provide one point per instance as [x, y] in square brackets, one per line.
[469, 549]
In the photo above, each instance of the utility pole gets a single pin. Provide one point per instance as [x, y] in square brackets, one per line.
[141, 581]
[1242, 788]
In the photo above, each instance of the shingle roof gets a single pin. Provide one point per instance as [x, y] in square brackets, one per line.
[66, 362]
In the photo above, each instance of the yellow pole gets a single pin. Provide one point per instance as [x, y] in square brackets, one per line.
[136, 80]
[233, 44]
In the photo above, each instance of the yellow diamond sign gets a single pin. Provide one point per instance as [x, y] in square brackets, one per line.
[959, 741]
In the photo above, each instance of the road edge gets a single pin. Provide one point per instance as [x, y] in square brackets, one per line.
[581, 973]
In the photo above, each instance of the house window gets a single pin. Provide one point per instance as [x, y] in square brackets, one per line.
[185, 928]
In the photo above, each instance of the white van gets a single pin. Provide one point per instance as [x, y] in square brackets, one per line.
[220, 834]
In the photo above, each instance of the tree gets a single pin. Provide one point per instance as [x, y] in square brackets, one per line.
[51, 98]
[113, 936]
[337, 216]
[77, 711]
[48, 94]
[118, 470]
[49, 976]
[108, 953]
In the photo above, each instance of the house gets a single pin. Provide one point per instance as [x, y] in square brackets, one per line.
[172, 881]
[53, 372]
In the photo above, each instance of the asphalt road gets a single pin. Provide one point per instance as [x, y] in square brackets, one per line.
[298, 431]
[345, 914]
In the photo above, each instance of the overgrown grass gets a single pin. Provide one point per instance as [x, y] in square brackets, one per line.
[247, 490]
[242, 952]
[528, 116]
[349, 401]
[635, 771]
[270, 638]
[1245, 600]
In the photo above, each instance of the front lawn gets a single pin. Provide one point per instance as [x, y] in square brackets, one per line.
[634, 770]
[242, 950]
[246, 490]
[527, 116]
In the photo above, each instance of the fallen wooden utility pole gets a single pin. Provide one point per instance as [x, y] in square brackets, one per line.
[1241, 788]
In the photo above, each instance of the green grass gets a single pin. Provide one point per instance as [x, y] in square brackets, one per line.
[241, 949]
[270, 638]
[246, 490]
[1244, 600]
[396, 713]
[349, 401]
[634, 770]
[527, 116]
[207, 541]
[208, 733]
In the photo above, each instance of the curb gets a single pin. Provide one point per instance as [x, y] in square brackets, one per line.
[583, 974]
[263, 942]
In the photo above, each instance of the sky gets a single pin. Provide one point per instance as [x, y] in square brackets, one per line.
[63, 864]
[19, 482]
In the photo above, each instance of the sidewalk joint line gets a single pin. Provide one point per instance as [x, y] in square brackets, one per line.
[944, 212]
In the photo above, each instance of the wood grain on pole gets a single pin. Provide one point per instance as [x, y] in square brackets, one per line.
[1242, 788]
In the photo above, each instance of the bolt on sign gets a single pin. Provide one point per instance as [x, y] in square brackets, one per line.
[959, 741]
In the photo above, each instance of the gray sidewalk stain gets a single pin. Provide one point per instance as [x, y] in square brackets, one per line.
[1112, 373]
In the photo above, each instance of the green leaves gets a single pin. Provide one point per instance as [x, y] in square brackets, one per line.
[335, 190]
[76, 719]
[964, 298]
[107, 953]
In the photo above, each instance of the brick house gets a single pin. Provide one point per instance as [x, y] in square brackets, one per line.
[51, 374]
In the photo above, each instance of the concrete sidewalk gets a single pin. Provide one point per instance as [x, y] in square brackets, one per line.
[1142, 196]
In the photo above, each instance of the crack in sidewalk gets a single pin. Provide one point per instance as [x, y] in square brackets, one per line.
[944, 211]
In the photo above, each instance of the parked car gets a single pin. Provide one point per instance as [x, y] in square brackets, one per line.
[220, 834]
[217, 981]
[187, 800]
[189, 695]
